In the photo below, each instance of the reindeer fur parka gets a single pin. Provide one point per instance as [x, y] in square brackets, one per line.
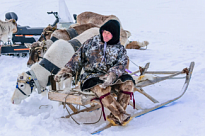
[90, 57]
[98, 58]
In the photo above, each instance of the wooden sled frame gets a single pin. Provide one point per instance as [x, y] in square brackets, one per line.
[80, 98]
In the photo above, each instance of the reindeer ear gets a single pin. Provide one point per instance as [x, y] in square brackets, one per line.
[13, 21]
[28, 45]
[55, 27]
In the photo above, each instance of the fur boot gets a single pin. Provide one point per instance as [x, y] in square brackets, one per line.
[118, 113]
[123, 99]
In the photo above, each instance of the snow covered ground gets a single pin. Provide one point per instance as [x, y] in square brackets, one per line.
[175, 30]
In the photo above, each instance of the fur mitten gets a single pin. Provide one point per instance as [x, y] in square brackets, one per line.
[63, 74]
[108, 79]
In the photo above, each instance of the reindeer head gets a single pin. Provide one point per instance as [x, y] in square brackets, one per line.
[46, 34]
[24, 88]
[14, 28]
[37, 50]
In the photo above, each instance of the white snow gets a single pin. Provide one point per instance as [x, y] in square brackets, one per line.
[175, 30]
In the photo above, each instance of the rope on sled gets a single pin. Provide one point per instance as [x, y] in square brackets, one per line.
[74, 119]
[97, 120]
[134, 63]
[68, 111]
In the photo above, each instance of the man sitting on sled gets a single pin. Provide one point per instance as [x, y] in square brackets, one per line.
[103, 59]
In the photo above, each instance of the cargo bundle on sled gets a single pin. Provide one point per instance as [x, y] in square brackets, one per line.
[77, 97]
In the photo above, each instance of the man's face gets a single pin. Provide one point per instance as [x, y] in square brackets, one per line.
[106, 36]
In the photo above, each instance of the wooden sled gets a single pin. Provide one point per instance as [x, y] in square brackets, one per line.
[77, 97]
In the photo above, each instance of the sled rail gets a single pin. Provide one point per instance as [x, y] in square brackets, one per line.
[161, 72]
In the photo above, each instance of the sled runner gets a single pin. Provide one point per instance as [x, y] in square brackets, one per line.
[78, 97]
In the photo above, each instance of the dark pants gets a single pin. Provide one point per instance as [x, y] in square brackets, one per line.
[95, 81]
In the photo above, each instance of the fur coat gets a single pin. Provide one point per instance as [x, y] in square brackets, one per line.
[98, 59]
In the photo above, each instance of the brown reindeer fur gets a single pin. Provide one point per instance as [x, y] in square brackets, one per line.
[33, 58]
[63, 73]
[133, 45]
[35, 44]
[47, 32]
[81, 28]
[122, 98]
[62, 33]
[110, 102]
[59, 34]
[117, 107]
[99, 20]
[94, 18]
[136, 45]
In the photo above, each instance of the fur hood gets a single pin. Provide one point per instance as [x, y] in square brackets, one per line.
[113, 26]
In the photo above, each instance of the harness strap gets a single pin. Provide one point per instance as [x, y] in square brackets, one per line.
[39, 57]
[131, 95]
[72, 32]
[31, 83]
[28, 73]
[100, 99]
[35, 81]
[44, 37]
[53, 39]
[75, 43]
[49, 66]
[21, 90]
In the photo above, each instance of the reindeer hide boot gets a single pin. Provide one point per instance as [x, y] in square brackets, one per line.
[125, 93]
[124, 96]
[118, 113]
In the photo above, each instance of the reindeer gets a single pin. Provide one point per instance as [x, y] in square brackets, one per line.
[85, 21]
[46, 34]
[37, 77]
[38, 49]
[94, 18]
[137, 45]
[7, 28]
[36, 53]
[99, 20]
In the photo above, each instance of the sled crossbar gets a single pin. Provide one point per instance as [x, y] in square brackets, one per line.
[73, 99]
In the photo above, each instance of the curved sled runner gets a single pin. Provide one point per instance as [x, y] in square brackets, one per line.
[81, 98]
